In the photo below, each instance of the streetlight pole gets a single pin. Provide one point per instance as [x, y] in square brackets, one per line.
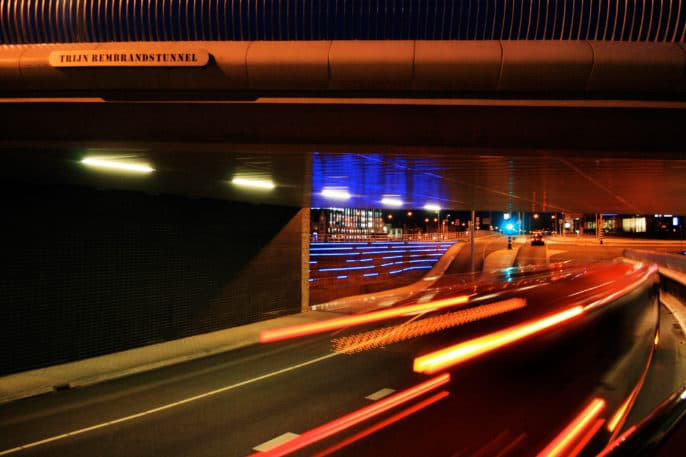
[471, 244]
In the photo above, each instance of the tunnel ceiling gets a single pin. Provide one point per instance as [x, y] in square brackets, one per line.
[574, 156]
[486, 180]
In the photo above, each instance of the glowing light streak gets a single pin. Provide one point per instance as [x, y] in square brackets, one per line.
[263, 184]
[617, 421]
[118, 165]
[328, 254]
[324, 431]
[575, 428]
[618, 415]
[335, 194]
[432, 207]
[586, 438]
[432, 362]
[360, 319]
[391, 201]
[613, 444]
[385, 423]
[346, 268]
[384, 336]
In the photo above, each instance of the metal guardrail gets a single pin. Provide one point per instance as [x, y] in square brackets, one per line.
[59, 21]
[646, 437]
[665, 260]
[672, 270]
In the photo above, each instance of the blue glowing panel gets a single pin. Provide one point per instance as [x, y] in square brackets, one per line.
[368, 178]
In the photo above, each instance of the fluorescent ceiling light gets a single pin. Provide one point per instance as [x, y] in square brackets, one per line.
[266, 184]
[432, 207]
[120, 165]
[335, 194]
[391, 201]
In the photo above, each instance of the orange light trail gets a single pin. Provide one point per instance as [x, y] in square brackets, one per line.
[575, 428]
[435, 361]
[385, 423]
[354, 418]
[617, 420]
[587, 437]
[619, 414]
[384, 336]
[613, 444]
[295, 331]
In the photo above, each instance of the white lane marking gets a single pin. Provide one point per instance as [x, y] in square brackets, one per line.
[380, 394]
[272, 443]
[167, 406]
[427, 297]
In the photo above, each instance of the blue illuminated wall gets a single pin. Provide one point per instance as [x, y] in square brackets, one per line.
[368, 178]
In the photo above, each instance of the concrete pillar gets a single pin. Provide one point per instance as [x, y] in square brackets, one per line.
[471, 243]
[304, 215]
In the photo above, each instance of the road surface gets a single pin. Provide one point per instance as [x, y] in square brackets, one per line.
[511, 402]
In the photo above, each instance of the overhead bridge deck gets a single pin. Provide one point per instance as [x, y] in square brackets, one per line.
[579, 68]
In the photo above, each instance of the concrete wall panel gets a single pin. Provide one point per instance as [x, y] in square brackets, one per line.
[226, 69]
[10, 71]
[279, 64]
[457, 65]
[545, 66]
[642, 67]
[39, 75]
[536, 67]
[371, 64]
[681, 85]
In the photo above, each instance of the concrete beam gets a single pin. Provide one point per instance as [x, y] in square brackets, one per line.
[415, 66]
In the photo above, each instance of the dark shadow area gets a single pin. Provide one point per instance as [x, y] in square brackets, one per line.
[87, 272]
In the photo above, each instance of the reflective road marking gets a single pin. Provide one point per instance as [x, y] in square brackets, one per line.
[267, 445]
[380, 394]
[164, 407]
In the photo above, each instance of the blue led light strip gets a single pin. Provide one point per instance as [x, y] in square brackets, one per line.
[321, 270]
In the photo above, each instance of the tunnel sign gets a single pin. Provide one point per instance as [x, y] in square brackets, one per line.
[129, 58]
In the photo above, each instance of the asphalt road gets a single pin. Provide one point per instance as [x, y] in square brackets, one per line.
[460, 268]
[512, 402]
[531, 255]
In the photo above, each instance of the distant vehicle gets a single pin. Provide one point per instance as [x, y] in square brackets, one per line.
[537, 240]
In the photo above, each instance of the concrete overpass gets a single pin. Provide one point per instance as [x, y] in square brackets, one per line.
[563, 107]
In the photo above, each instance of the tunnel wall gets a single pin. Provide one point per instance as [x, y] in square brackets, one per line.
[88, 272]
[488, 66]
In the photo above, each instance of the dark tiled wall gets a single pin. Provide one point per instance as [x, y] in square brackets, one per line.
[87, 272]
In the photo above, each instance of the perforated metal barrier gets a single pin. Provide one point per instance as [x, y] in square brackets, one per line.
[55, 21]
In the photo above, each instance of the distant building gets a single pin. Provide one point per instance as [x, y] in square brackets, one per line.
[346, 222]
[643, 225]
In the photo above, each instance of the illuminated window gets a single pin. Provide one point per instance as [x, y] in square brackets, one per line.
[634, 224]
